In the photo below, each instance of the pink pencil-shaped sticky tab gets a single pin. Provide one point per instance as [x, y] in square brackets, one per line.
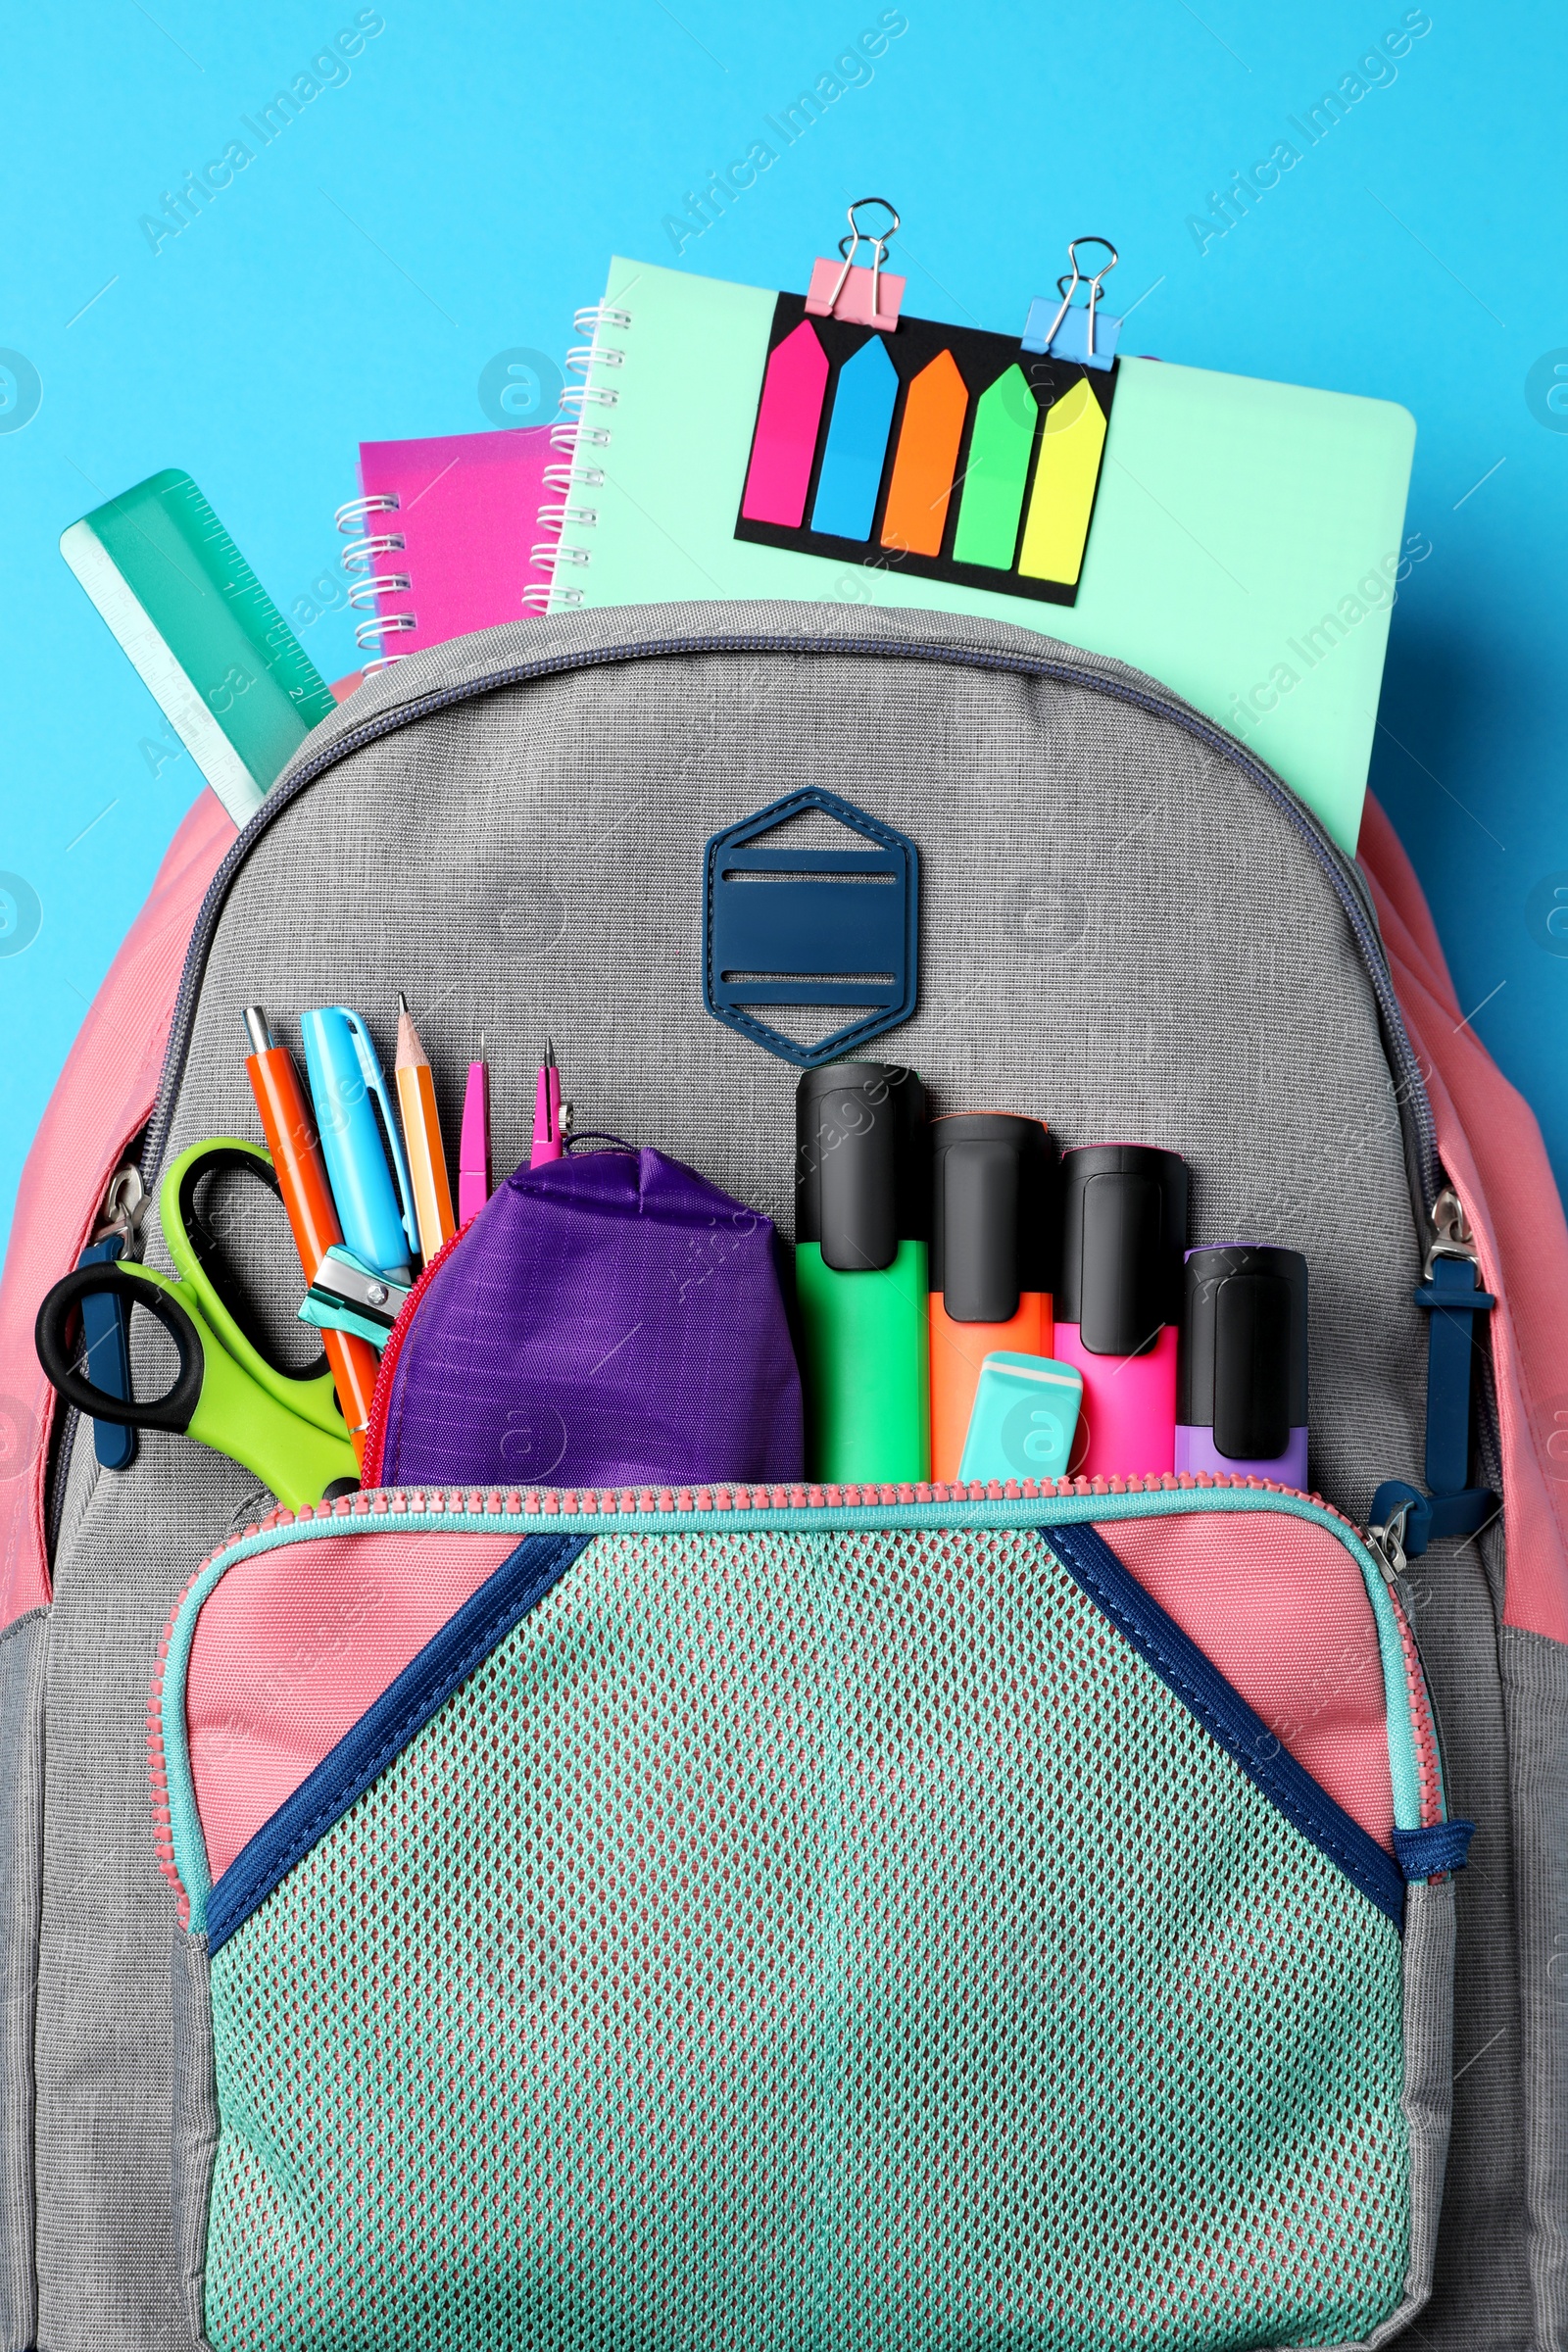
[548, 1141]
[787, 418]
[473, 1149]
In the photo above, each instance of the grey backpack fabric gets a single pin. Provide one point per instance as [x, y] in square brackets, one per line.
[1128, 928]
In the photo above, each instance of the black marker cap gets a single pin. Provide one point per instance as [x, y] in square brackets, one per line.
[1243, 1364]
[994, 1213]
[1123, 1232]
[862, 1180]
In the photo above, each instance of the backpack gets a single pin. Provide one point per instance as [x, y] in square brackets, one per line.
[1025, 1915]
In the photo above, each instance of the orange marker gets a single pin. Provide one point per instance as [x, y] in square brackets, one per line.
[301, 1173]
[994, 1244]
[421, 1138]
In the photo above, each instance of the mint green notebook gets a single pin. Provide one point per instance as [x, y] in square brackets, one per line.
[1243, 549]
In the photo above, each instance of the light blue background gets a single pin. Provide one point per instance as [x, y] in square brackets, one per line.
[460, 194]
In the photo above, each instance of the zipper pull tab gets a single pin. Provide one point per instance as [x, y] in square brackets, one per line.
[1386, 1543]
[126, 1204]
[1450, 1231]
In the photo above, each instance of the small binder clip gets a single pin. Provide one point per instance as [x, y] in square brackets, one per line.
[859, 296]
[1087, 336]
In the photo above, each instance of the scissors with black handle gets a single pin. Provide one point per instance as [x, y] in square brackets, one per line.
[286, 1427]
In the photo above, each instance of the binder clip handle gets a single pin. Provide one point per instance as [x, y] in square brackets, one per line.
[1067, 286]
[878, 241]
[820, 303]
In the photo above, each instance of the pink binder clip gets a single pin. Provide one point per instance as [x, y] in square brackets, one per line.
[860, 297]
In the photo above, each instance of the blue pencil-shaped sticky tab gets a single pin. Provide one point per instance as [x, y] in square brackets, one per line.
[856, 443]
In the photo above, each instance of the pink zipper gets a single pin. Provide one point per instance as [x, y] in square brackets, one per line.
[381, 1400]
[590, 1503]
[1423, 1719]
[609, 1502]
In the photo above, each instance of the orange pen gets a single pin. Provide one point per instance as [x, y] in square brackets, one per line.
[421, 1138]
[301, 1173]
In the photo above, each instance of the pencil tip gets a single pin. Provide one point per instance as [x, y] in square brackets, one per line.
[549, 1054]
[402, 1003]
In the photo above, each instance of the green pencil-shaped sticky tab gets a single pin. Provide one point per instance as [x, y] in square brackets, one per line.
[202, 633]
[994, 479]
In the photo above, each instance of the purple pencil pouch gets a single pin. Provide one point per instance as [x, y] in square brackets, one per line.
[608, 1319]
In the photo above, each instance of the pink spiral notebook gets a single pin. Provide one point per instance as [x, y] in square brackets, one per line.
[452, 532]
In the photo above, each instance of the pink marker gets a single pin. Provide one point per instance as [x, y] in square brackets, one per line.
[548, 1141]
[1119, 1303]
[473, 1149]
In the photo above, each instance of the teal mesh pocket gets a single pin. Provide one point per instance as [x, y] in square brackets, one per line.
[831, 1940]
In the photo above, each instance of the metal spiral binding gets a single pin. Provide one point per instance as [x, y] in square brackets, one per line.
[363, 593]
[575, 398]
[362, 554]
[373, 632]
[583, 355]
[351, 516]
[542, 599]
[573, 478]
[569, 438]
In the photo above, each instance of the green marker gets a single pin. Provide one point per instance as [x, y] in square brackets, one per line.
[862, 1273]
[202, 633]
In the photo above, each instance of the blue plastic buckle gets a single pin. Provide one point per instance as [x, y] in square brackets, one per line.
[829, 927]
[1418, 1519]
[1449, 1294]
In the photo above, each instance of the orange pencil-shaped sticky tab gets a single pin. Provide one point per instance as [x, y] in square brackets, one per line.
[927, 458]
[421, 1138]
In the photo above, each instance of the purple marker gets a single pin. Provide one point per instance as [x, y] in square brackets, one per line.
[1242, 1366]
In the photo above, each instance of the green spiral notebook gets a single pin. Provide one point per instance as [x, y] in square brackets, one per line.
[1243, 545]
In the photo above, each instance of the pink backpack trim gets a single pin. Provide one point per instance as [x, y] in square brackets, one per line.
[1492, 1149]
[102, 1099]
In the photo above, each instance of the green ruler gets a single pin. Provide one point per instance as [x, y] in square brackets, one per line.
[202, 632]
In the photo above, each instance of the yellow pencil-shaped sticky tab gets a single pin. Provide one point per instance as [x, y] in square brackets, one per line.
[421, 1138]
[1063, 495]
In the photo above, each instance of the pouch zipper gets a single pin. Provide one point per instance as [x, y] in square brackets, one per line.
[1423, 1168]
[436, 1508]
[392, 1349]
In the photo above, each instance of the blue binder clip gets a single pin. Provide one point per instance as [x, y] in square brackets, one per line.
[1085, 334]
[832, 927]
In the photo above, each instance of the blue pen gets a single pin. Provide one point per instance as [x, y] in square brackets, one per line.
[348, 1089]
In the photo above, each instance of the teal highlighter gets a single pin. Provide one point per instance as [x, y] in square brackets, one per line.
[363, 1151]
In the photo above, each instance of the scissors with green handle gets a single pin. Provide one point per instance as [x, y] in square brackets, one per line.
[227, 1393]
